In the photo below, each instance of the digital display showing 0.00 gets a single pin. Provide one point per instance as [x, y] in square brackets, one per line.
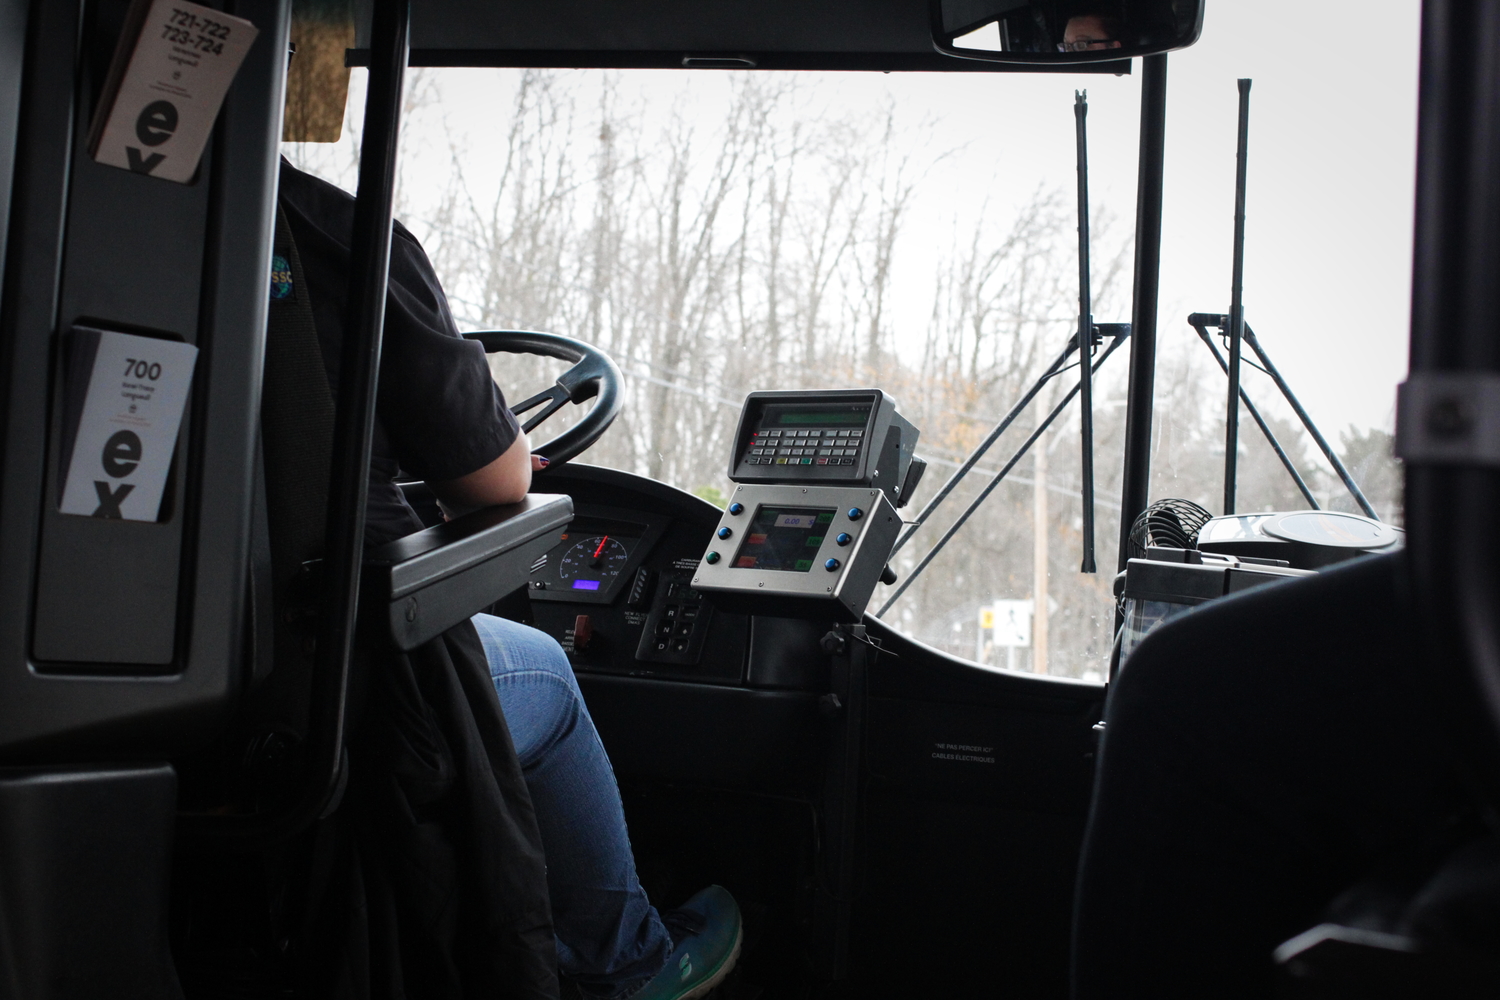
[784, 538]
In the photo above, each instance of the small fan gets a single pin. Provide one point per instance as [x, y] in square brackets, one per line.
[1171, 523]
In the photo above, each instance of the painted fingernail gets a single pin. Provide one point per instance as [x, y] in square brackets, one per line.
[545, 461]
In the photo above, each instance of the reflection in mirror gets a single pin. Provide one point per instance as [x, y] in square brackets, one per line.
[1064, 31]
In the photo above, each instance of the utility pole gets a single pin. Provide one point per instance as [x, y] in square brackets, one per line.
[1039, 557]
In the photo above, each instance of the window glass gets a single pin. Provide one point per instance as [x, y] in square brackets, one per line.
[722, 232]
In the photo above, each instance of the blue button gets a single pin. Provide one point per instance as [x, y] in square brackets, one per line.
[736, 508]
[844, 538]
[711, 558]
[725, 532]
[855, 513]
[831, 565]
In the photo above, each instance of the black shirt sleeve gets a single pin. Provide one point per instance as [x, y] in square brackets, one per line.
[441, 415]
[442, 411]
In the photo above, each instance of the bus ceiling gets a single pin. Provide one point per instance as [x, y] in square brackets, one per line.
[851, 35]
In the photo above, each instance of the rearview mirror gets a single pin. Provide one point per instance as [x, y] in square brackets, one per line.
[1063, 31]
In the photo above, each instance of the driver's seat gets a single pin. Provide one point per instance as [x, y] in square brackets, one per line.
[422, 826]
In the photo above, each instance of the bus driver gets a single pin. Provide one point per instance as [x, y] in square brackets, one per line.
[445, 420]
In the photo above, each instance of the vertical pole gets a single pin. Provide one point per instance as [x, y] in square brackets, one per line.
[1085, 330]
[359, 365]
[1236, 306]
[1039, 559]
[833, 909]
[1453, 537]
[1136, 485]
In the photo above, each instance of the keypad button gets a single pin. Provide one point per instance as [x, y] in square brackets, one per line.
[680, 645]
[856, 434]
[685, 628]
[689, 612]
[807, 461]
[822, 461]
[781, 461]
[774, 434]
[664, 628]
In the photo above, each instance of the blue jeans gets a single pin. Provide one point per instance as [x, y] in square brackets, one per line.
[610, 939]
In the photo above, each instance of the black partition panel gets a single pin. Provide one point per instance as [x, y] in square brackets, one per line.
[123, 634]
[107, 590]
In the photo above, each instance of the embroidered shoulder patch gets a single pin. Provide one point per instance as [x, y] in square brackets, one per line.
[281, 278]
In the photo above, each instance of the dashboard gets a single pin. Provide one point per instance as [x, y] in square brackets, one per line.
[615, 586]
[684, 692]
[615, 590]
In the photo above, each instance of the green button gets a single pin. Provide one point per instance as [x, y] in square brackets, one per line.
[711, 558]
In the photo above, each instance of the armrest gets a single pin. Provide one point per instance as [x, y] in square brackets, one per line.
[428, 582]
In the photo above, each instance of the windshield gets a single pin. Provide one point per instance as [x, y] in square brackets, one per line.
[719, 233]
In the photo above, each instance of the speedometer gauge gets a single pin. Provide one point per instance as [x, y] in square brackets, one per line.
[592, 563]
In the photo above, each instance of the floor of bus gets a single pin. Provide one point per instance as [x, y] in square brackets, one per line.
[953, 898]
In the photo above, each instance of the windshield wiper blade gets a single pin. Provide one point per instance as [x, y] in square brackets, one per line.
[984, 446]
[1005, 470]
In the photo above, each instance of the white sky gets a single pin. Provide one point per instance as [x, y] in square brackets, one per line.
[1331, 175]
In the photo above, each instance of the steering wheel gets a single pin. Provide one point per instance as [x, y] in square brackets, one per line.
[593, 373]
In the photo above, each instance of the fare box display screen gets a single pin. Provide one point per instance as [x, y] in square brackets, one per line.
[798, 416]
[784, 538]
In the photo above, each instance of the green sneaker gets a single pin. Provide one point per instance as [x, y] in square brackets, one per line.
[706, 935]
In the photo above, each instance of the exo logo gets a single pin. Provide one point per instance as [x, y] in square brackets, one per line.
[156, 124]
[122, 454]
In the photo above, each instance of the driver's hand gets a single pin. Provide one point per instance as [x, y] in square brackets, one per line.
[538, 463]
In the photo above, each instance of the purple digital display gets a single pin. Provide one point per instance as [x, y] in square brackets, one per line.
[585, 584]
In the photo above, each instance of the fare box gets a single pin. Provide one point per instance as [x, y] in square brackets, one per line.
[125, 399]
[172, 67]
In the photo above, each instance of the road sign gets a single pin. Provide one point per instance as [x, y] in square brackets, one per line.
[1011, 622]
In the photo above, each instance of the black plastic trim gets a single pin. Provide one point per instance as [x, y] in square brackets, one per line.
[438, 577]
[872, 62]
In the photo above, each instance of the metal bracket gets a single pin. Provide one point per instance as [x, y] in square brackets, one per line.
[1449, 418]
